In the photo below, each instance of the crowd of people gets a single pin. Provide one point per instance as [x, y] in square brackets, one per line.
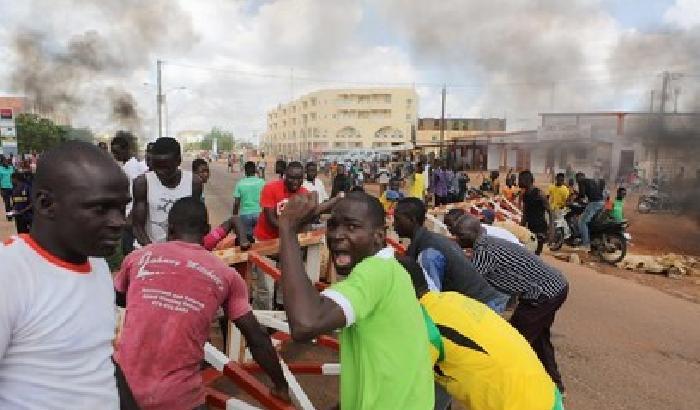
[405, 321]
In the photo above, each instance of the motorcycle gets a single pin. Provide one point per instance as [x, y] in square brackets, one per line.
[608, 236]
[656, 200]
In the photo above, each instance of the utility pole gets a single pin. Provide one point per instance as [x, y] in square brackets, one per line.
[664, 90]
[676, 93]
[442, 121]
[160, 99]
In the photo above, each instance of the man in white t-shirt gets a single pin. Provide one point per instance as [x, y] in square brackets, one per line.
[157, 190]
[57, 314]
[123, 147]
[262, 164]
[313, 183]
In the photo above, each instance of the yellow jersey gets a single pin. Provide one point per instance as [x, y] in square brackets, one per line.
[558, 196]
[417, 190]
[485, 362]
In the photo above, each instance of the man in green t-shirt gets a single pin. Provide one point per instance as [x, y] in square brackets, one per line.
[6, 171]
[384, 357]
[246, 198]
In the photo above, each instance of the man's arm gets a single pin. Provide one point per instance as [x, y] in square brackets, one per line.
[139, 212]
[550, 213]
[263, 353]
[271, 216]
[328, 205]
[309, 314]
[197, 186]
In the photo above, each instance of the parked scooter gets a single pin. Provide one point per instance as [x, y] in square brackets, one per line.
[608, 236]
[656, 200]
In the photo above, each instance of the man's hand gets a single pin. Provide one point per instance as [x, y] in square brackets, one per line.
[282, 393]
[300, 209]
[245, 244]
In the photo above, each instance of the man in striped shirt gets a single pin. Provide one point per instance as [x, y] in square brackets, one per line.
[516, 271]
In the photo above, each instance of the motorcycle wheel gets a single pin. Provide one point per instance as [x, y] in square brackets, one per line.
[613, 249]
[558, 241]
[643, 207]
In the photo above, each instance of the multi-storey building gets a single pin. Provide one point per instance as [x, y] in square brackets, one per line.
[338, 119]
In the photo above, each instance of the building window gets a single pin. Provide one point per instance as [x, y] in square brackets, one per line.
[409, 101]
[333, 116]
[436, 123]
[408, 117]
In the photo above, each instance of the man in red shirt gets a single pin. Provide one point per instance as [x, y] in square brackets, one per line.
[273, 197]
[173, 290]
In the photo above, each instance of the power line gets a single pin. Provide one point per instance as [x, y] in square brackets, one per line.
[604, 79]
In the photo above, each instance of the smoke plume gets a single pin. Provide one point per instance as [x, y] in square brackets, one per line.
[528, 54]
[62, 76]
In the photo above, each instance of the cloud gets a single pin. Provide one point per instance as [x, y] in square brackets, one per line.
[512, 57]
[684, 14]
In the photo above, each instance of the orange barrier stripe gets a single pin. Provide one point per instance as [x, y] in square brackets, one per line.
[400, 249]
[254, 387]
[216, 398]
[298, 367]
[264, 265]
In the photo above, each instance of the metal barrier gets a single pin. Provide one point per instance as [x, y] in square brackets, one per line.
[238, 366]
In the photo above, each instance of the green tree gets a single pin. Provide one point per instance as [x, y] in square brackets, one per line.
[35, 133]
[225, 139]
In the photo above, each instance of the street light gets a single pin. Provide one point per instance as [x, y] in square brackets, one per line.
[164, 101]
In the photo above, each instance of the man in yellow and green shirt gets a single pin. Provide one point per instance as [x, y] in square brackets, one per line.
[478, 357]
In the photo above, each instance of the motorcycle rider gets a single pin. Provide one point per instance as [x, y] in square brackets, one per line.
[591, 190]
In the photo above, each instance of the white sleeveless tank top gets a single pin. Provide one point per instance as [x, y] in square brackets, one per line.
[160, 200]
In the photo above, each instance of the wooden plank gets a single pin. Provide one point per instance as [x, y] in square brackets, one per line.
[235, 255]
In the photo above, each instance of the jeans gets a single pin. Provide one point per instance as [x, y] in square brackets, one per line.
[591, 209]
[249, 222]
[499, 303]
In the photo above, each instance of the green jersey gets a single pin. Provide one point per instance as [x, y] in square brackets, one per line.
[617, 209]
[248, 191]
[384, 358]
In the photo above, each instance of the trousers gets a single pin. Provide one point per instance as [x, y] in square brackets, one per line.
[534, 320]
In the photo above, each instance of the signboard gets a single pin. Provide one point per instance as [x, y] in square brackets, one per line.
[564, 132]
[7, 123]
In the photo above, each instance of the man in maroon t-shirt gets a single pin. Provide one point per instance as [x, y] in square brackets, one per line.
[273, 197]
[173, 290]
